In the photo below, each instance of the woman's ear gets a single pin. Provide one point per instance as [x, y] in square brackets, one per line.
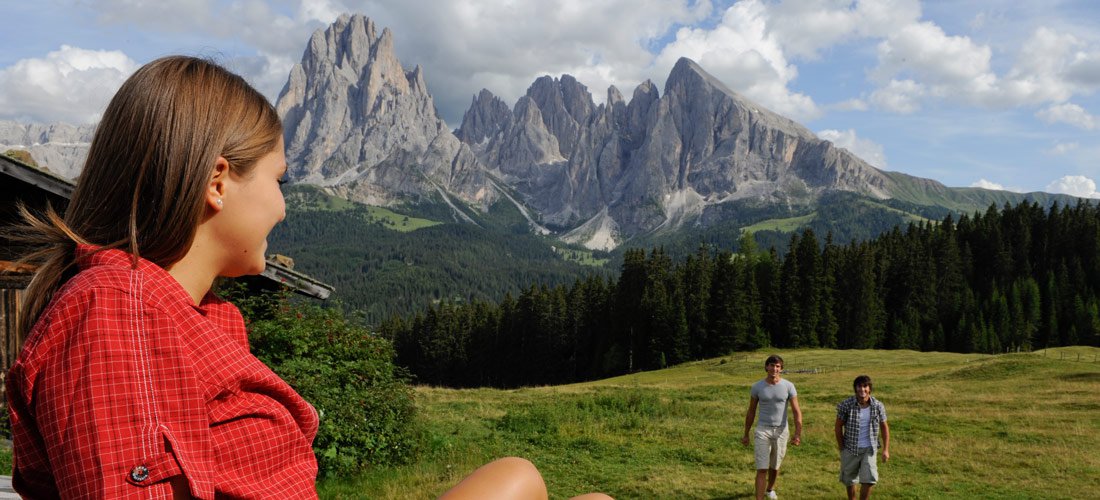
[215, 189]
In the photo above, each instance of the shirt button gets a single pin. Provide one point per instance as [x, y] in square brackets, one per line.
[139, 473]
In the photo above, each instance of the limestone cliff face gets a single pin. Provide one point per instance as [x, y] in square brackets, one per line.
[59, 147]
[660, 161]
[487, 116]
[357, 121]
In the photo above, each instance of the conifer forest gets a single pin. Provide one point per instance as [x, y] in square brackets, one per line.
[1012, 278]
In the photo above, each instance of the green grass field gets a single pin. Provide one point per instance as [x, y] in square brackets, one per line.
[964, 426]
[580, 256]
[396, 221]
[781, 225]
[908, 217]
[310, 198]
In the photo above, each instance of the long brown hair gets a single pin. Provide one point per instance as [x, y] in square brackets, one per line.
[143, 184]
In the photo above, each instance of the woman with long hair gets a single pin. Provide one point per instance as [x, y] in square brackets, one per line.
[134, 379]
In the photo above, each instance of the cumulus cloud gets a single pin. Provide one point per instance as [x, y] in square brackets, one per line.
[899, 96]
[1048, 67]
[70, 84]
[984, 184]
[743, 54]
[276, 37]
[324, 11]
[1074, 185]
[502, 45]
[870, 151]
[505, 45]
[1067, 113]
[1084, 69]
[935, 63]
[806, 28]
[987, 184]
[754, 46]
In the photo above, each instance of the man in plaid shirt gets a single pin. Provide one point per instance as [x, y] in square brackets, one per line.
[859, 421]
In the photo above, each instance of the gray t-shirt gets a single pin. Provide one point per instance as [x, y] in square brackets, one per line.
[773, 401]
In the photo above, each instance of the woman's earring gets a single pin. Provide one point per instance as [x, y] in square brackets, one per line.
[218, 201]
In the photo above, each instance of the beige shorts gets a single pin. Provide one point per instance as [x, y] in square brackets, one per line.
[861, 467]
[769, 446]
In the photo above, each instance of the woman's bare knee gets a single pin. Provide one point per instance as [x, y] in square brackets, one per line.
[505, 478]
[592, 496]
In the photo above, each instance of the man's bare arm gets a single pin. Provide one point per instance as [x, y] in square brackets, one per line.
[750, 416]
[797, 440]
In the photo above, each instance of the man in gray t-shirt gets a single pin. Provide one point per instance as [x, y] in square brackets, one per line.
[771, 396]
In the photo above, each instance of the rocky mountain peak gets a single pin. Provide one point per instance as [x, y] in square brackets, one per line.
[357, 121]
[659, 161]
[565, 105]
[487, 116]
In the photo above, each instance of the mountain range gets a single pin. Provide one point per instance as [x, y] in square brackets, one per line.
[692, 155]
[597, 175]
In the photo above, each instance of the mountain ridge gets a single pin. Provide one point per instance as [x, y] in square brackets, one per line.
[360, 125]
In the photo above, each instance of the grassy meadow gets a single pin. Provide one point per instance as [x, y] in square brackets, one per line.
[781, 225]
[963, 425]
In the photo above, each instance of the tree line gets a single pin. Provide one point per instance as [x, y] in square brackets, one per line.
[1016, 278]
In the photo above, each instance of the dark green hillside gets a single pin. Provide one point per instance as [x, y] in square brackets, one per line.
[380, 267]
[847, 216]
[386, 262]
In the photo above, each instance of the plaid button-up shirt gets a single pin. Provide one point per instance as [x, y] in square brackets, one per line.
[124, 382]
[848, 412]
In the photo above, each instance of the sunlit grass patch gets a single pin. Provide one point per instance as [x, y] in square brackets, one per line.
[963, 425]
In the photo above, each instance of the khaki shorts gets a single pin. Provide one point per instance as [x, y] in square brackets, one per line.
[861, 467]
[769, 446]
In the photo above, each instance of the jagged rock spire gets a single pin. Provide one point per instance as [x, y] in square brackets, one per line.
[356, 120]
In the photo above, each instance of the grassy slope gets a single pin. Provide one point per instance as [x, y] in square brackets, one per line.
[1010, 426]
[921, 192]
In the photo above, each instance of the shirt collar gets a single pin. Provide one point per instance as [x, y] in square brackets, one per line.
[89, 256]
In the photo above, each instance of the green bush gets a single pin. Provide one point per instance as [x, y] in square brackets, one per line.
[349, 376]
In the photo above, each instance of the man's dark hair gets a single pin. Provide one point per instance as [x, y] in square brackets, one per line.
[862, 380]
[774, 358]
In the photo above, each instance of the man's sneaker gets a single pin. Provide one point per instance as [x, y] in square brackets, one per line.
[771, 495]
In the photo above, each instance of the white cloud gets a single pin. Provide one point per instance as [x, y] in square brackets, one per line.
[899, 96]
[947, 66]
[1067, 113]
[745, 56]
[1074, 185]
[804, 28]
[276, 38]
[70, 84]
[1048, 67]
[1062, 148]
[324, 11]
[870, 151]
[1084, 69]
[987, 184]
[504, 45]
[984, 184]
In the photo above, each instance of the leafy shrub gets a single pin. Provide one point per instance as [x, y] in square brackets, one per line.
[349, 376]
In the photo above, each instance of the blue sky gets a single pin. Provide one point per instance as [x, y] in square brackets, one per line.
[997, 94]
